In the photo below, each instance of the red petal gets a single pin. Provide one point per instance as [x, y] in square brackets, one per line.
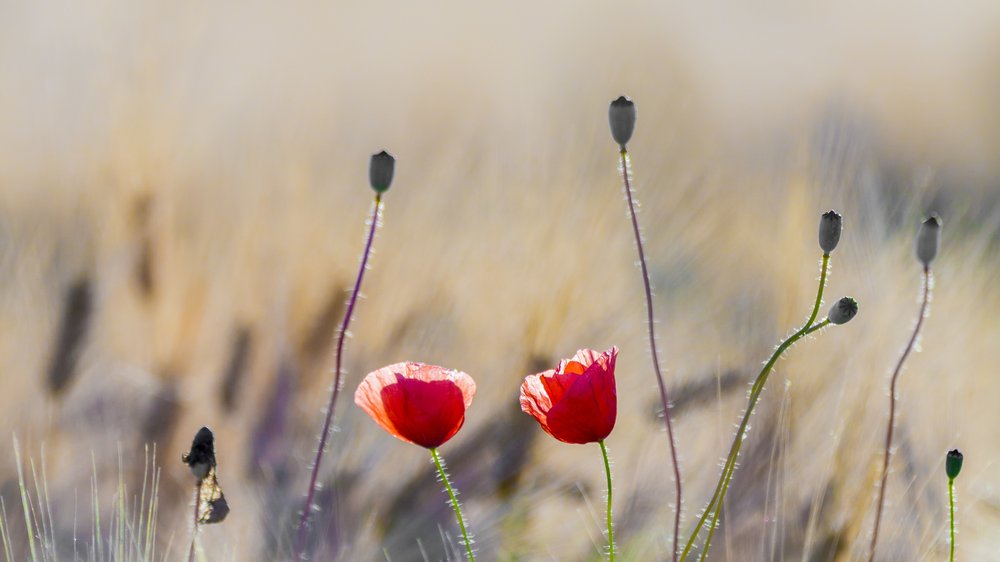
[422, 404]
[579, 404]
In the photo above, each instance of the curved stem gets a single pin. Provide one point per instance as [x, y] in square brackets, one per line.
[892, 411]
[454, 502]
[338, 378]
[715, 504]
[951, 515]
[607, 470]
[651, 328]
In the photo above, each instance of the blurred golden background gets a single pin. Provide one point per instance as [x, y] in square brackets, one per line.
[183, 192]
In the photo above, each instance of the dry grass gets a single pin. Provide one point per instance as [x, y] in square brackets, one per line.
[245, 132]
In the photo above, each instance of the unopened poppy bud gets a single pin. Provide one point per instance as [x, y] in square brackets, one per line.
[843, 311]
[621, 115]
[380, 171]
[830, 225]
[928, 240]
[953, 463]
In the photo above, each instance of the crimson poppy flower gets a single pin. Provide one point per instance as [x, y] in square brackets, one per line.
[418, 403]
[576, 402]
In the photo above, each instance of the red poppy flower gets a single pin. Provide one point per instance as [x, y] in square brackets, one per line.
[418, 403]
[577, 402]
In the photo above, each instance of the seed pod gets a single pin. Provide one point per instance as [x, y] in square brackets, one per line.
[380, 171]
[830, 226]
[928, 240]
[621, 115]
[953, 463]
[843, 311]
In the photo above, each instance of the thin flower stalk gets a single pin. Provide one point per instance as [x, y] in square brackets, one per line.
[715, 504]
[375, 220]
[651, 330]
[611, 532]
[928, 280]
[453, 498]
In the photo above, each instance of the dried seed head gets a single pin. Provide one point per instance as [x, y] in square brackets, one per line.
[843, 311]
[928, 240]
[830, 226]
[621, 115]
[953, 463]
[380, 171]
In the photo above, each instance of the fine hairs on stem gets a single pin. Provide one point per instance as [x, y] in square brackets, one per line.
[928, 241]
[842, 312]
[621, 116]
[380, 174]
[453, 498]
[607, 471]
[952, 466]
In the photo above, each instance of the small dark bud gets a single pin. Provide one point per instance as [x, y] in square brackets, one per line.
[928, 240]
[843, 311]
[953, 463]
[621, 115]
[380, 171]
[201, 457]
[830, 225]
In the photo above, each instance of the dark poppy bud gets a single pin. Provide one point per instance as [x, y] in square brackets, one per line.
[953, 463]
[843, 311]
[830, 225]
[928, 240]
[380, 171]
[621, 115]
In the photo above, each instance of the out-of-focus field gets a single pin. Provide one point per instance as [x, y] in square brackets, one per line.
[187, 183]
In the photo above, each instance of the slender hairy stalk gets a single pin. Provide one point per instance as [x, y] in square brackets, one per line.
[715, 504]
[197, 516]
[454, 502]
[338, 378]
[651, 328]
[892, 410]
[951, 516]
[611, 534]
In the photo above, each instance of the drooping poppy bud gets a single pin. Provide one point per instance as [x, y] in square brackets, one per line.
[576, 402]
[380, 171]
[418, 403]
[953, 463]
[843, 311]
[928, 240]
[621, 115]
[830, 226]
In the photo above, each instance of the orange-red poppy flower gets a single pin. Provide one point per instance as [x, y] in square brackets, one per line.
[577, 402]
[418, 403]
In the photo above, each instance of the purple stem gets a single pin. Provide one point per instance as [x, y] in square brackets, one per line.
[651, 323]
[338, 380]
[892, 411]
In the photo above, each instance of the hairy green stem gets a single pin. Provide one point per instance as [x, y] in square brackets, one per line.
[951, 514]
[607, 471]
[454, 502]
[715, 504]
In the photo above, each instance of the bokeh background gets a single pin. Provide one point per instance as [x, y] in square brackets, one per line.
[183, 194]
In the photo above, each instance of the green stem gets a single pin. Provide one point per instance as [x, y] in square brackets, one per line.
[715, 504]
[951, 511]
[607, 470]
[454, 501]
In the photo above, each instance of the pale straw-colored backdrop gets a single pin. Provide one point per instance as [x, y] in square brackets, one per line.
[183, 186]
